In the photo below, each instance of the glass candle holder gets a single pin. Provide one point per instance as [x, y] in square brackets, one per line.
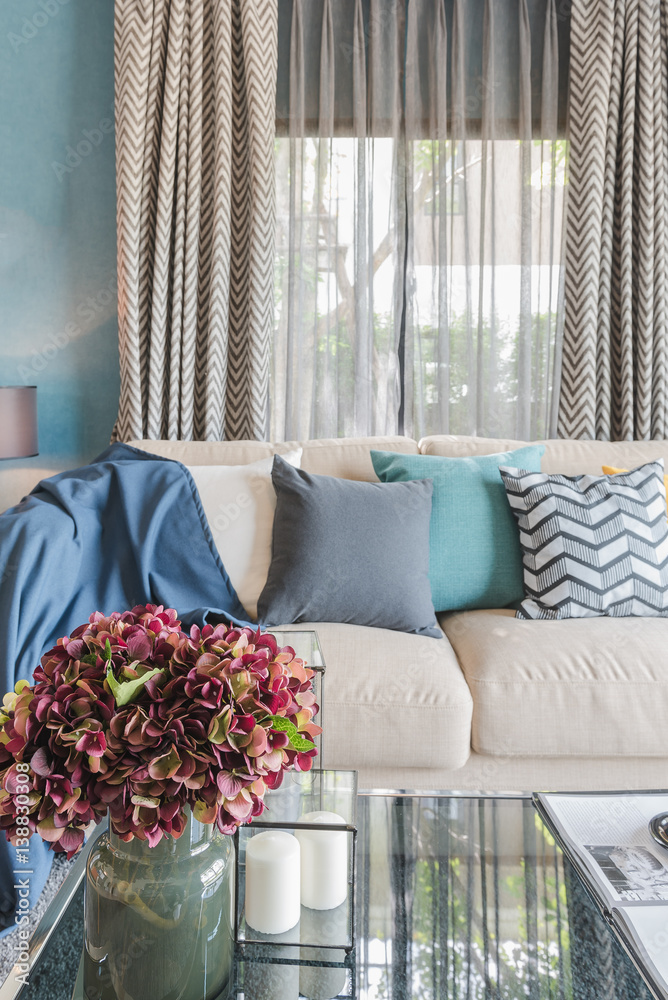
[295, 872]
[276, 976]
[307, 647]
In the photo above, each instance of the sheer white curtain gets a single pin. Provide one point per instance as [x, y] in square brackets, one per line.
[421, 171]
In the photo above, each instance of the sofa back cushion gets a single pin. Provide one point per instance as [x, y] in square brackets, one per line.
[570, 458]
[350, 458]
[212, 452]
[345, 458]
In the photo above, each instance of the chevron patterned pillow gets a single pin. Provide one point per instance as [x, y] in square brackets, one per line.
[592, 545]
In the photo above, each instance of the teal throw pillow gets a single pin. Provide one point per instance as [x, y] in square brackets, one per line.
[475, 559]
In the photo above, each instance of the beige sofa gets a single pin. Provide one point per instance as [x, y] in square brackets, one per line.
[498, 704]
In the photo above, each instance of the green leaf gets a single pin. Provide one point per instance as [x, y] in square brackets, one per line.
[107, 650]
[283, 725]
[125, 692]
[90, 659]
[297, 742]
[301, 743]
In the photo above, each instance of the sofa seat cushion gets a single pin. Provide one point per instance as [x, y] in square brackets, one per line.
[581, 687]
[391, 699]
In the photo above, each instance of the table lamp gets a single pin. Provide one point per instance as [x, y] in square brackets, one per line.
[18, 421]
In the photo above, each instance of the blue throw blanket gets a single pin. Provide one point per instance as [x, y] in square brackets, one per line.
[127, 529]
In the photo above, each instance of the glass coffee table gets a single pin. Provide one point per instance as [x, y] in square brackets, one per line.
[458, 896]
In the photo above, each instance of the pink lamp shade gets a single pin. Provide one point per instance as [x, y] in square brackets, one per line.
[18, 421]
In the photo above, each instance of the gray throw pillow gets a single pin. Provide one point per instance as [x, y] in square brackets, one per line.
[350, 552]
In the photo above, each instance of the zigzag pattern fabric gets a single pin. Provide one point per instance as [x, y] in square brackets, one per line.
[613, 379]
[592, 545]
[195, 124]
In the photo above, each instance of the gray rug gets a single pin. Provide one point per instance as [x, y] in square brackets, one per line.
[9, 945]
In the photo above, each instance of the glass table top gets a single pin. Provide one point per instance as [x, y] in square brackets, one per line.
[458, 897]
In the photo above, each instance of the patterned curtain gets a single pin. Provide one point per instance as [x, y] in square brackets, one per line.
[614, 343]
[195, 120]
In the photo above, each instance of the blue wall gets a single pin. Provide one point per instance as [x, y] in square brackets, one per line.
[58, 318]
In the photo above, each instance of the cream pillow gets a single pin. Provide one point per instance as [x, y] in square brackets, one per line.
[239, 503]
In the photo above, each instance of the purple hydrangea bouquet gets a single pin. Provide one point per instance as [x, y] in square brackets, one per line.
[132, 716]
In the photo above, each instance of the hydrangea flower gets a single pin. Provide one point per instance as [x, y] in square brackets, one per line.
[132, 716]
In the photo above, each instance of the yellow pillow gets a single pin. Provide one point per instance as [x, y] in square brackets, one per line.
[610, 471]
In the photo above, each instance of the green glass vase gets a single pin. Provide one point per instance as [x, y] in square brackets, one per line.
[159, 920]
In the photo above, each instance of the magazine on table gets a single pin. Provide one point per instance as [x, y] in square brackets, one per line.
[606, 836]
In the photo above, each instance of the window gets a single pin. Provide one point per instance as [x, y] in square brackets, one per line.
[421, 169]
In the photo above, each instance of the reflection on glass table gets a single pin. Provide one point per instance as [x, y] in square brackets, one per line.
[470, 898]
[458, 897]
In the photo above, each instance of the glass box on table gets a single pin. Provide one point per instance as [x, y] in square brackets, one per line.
[295, 871]
[307, 647]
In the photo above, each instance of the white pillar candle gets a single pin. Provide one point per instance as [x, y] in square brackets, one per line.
[324, 862]
[272, 882]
